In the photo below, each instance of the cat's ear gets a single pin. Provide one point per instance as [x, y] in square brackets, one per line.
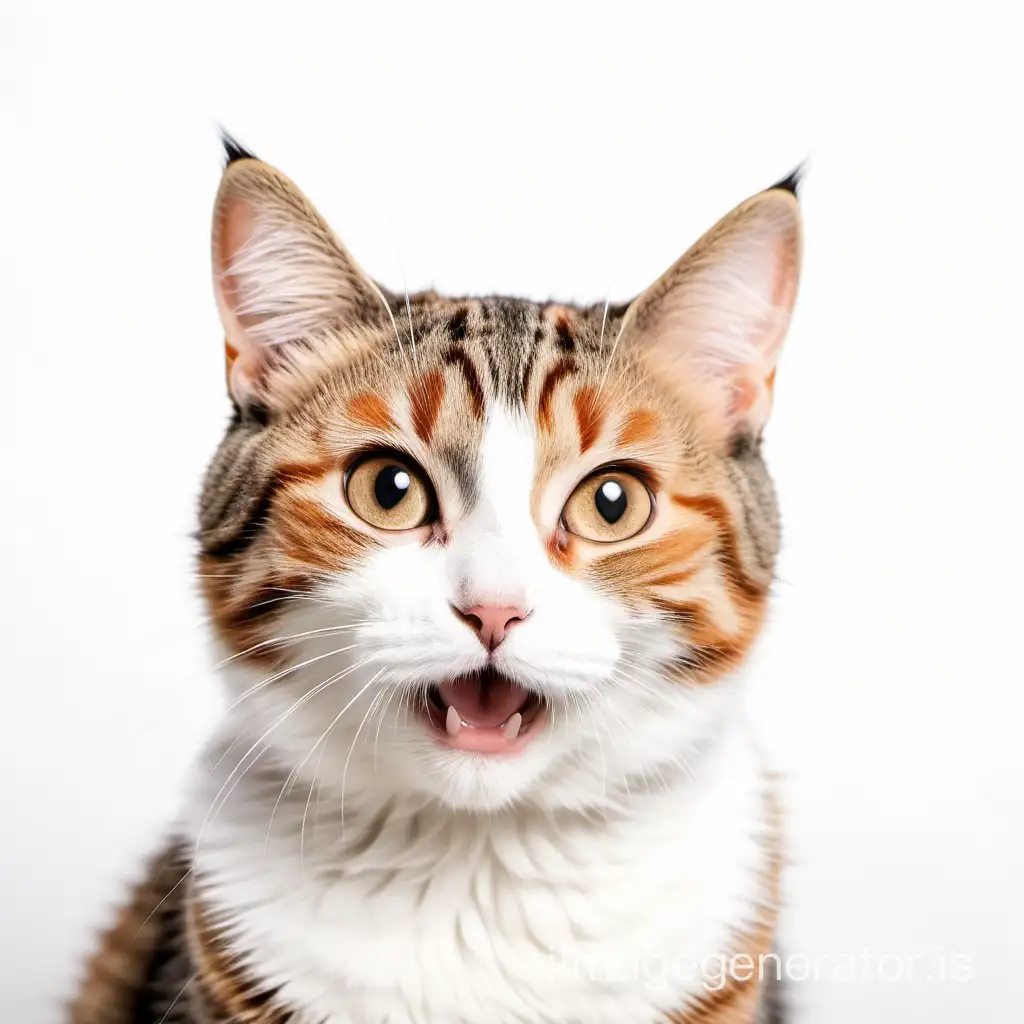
[280, 275]
[717, 319]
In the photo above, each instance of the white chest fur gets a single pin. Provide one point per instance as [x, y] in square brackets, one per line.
[413, 914]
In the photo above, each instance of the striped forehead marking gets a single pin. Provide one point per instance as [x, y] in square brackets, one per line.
[590, 415]
[455, 355]
[555, 375]
[425, 398]
[370, 410]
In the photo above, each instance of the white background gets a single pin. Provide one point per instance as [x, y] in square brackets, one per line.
[505, 148]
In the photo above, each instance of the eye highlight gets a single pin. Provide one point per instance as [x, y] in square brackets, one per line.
[610, 505]
[390, 492]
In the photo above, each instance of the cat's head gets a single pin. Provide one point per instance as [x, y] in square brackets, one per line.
[489, 550]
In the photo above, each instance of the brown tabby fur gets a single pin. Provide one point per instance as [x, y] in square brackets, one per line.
[361, 368]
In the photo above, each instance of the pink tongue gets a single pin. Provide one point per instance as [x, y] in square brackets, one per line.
[485, 703]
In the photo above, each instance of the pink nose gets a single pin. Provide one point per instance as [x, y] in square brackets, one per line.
[491, 622]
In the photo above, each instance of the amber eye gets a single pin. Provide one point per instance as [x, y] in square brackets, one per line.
[609, 505]
[389, 492]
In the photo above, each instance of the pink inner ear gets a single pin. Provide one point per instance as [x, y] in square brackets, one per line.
[744, 397]
[237, 224]
[784, 281]
[236, 228]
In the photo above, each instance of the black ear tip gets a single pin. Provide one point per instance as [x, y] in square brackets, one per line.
[233, 149]
[791, 182]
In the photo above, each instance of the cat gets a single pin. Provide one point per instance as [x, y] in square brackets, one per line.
[485, 573]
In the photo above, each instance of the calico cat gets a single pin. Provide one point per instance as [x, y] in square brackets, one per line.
[485, 573]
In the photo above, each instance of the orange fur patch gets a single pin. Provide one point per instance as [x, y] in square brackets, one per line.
[316, 539]
[640, 425]
[560, 548]
[301, 472]
[635, 571]
[370, 410]
[712, 651]
[673, 579]
[717, 511]
[425, 397]
[242, 608]
[589, 417]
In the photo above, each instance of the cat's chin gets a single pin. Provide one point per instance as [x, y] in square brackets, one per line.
[483, 713]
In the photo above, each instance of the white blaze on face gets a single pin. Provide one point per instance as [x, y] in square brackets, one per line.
[496, 555]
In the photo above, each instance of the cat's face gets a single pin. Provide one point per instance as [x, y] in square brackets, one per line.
[489, 550]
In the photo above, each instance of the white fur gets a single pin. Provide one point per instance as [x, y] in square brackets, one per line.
[379, 876]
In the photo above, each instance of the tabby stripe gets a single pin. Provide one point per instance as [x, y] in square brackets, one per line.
[228, 992]
[426, 396]
[717, 511]
[457, 325]
[564, 338]
[371, 411]
[636, 570]
[589, 417]
[300, 472]
[493, 367]
[710, 650]
[314, 537]
[538, 337]
[561, 369]
[236, 492]
[239, 611]
[454, 355]
[673, 579]
[462, 465]
[244, 533]
[118, 972]
[640, 425]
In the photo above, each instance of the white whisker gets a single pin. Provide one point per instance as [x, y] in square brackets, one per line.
[304, 699]
[412, 333]
[323, 631]
[391, 316]
[174, 1001]
[323, 739]
[611, 356]
[344, 771]
[294, 668]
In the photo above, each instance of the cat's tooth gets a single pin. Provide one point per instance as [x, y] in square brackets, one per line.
[453, 723]
[512, 726]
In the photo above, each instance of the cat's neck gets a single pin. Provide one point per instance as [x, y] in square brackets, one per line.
[355, 909]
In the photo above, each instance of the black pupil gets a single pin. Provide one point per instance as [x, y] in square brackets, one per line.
[611, 500]
[391, 486]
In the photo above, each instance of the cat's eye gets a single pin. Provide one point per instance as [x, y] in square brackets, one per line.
[389, 492]
[610, 505]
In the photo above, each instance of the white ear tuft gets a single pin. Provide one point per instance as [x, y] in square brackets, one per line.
[280, 274]
[720, 314]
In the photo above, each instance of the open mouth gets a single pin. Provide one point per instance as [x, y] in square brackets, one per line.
[484, 712]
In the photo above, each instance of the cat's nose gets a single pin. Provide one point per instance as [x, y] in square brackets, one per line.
[491, 622]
